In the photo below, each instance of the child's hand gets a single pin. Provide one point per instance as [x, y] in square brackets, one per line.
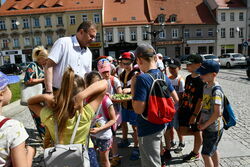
[49, 99]
[94, 130]
[192, 120]
[126, 91]
[202, 126]
[78, 100]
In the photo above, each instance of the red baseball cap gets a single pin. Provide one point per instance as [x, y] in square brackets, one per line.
[127, 56]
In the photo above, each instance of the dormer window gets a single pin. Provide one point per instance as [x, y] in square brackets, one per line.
[28, 7]
[173, 18]
[12, 8]
[133, 18]
[161, 18]
[114, 18]
[42, 6]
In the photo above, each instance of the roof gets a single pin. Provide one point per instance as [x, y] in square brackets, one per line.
[125, 12]
[22, 7]
[230, 4]
[186, 11]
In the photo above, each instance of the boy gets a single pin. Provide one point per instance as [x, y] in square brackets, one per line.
[189, 111]
[150, 135]
[128, 114]
[178, 83]
[13, 135]
[211, 122]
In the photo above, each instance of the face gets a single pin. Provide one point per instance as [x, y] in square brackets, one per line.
[193, 67]
[174, 71]
[87, 37]
[41, 61]
[5, 96]
[208, 77]
[127, 64]
[106, 74]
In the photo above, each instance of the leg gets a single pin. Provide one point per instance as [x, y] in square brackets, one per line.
[104, 158]
[216, 159]
[207, 160]
[31, 152]
[135, 135]
[197, 142]
[167, 136]
[124, 131]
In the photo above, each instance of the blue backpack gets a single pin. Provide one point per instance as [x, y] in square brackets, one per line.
[228, 116]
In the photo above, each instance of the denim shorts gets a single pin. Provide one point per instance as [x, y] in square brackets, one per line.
[102, 144]
[210, 142]
[129, 116]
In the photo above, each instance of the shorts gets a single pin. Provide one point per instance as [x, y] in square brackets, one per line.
[175, 122]
[93, 158]
[210, 142]
[102, 144]
[129, 116]
[184, 117]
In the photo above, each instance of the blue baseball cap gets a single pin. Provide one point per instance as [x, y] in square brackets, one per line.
[208, 66]
[7, 79]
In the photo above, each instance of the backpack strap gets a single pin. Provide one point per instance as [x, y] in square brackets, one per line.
[105, 107]
[3, 121]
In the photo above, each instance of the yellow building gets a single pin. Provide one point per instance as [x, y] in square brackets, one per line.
[25, 24]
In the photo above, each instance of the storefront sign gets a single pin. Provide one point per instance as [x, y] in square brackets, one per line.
[169, 43]
[200, 41]
[95, 45]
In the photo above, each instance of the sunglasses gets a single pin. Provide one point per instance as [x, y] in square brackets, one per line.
[126, 64]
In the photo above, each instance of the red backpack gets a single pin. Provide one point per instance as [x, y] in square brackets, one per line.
[160, 106]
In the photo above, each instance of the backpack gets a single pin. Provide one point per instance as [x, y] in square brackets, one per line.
[3, 121]
[160, 106]
[106, 114]
[228, 116]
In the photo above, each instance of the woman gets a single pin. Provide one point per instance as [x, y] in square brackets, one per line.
[35, 75]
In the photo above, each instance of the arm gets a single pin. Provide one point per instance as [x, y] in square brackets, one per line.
[119, 90]
[174, 96]
[111, 122]
[34, 81]
[49, 75]
[196, 112]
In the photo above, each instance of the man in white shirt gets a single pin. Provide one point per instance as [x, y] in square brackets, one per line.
[70, 51]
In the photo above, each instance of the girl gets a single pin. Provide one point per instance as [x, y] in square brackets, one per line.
[67, 105]
[101, 128]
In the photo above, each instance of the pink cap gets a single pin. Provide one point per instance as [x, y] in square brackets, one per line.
[103, 65]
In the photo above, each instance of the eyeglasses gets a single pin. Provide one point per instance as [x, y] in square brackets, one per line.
[126, 64]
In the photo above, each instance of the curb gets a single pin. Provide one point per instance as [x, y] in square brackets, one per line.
[13, 108]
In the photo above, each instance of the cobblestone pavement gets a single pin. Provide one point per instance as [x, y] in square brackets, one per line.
[234, 146]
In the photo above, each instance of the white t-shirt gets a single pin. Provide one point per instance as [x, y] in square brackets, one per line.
[112, 88]
[12, 134]
[67, 52]
[101, 120]
[179, 86]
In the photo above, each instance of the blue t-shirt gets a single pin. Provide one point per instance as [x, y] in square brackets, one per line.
[142, 90]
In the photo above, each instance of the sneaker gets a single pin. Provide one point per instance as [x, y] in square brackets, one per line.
[179, 148]
[191, 157]
[115, 161]
[173, 144]
[135, 154]
[124, 143]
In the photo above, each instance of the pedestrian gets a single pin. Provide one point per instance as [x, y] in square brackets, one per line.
[150, 134]
[128, 114]
[100, 131]
[189, 110]
[160, 64]
[70, 51]
[211, 122]
[114, 87]
[65, 108]
[178, 83]
[13, 135]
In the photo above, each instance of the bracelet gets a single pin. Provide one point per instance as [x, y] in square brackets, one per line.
[195, 114]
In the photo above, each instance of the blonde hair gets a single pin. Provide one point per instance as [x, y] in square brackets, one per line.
[39, 51]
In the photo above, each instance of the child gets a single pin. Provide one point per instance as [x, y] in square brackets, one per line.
[128, 114]
[68, 104]
[114, 87]
[150, 135]
[189, 110]
[13, 151]
[211, 122]
[101, 133]
[178, 83]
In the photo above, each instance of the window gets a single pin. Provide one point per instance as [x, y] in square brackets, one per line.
[174, 33]
[110, 36]
[84, 17]
[133, 18]
[59, 20]
[173, 18]
[5, 43]
[202, 49]
[223, 17]
[26, 23]
[27, 41]
[49, 40]
[16, 43]
[232, 16]
[14, 24]
[48, 21]
[2, 25]
[145, 35]
[133, 36]
[38, 40]
[72, 20]
[162, 35]
[36, 22]
[161, 19]
[231, 32]
[241, 16]
[210, 32]
[241, 34]
[198, 33]
[121, 36]
[186, 33]
[223, 33]
[96, 18]
[98, 37]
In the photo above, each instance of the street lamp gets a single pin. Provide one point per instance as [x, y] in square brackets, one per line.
[154, 33]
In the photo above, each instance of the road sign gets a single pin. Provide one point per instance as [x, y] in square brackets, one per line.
[245, 44]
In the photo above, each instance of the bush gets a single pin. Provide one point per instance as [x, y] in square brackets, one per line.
[16, 91]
